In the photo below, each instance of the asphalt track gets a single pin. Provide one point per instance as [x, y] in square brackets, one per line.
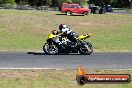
[97, 60]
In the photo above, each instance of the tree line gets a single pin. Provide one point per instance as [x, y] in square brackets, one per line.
[57, 3]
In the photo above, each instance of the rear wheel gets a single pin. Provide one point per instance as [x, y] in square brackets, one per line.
[50, 49]
[85, 13]
[68, 13]
[86, 49]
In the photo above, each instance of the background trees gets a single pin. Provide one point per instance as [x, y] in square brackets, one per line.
[7, 2]
[124, 3]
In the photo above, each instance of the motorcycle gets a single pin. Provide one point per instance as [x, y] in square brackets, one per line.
[82, 47]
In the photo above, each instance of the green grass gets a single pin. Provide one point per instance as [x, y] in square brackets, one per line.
[28, 30]
[53, 79]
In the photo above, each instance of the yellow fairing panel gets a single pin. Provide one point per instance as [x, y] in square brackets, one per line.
[81, 37]
[52, 36]
[84, 36]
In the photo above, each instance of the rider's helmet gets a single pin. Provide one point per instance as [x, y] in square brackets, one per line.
[61, 26]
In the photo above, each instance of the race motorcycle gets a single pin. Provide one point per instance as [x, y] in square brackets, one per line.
[82, 47]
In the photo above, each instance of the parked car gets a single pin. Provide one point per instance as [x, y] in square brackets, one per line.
[101, 9]
[109, 8]
[69, 9]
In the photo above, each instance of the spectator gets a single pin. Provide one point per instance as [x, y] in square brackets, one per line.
[91, 7]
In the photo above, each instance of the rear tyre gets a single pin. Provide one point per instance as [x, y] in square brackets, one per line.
[85, 13]
[50, 49]
[68, 13]
[85, 49]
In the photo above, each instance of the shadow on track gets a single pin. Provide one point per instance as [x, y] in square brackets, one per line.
[71, 15]
[36, 53]
[42, 53]
[60, 14]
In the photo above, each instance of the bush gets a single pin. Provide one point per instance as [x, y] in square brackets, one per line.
[12, 2]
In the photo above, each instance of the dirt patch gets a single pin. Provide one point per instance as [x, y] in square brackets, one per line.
[90, 24]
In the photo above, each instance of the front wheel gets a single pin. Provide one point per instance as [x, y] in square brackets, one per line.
[50, 49]
[86, 49]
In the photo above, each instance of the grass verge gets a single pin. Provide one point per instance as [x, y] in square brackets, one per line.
[27, 30]
[53, 79]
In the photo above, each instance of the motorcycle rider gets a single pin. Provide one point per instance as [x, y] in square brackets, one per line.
[67, 32]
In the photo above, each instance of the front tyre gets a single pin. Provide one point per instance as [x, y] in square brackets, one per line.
[86, 49]
[50, 49]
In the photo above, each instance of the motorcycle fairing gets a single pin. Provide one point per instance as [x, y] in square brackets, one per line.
[84, 36]
[52, 36]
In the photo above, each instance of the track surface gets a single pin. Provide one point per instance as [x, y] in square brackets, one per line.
[96, 60]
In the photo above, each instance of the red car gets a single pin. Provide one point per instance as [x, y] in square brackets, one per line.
[74, 8]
